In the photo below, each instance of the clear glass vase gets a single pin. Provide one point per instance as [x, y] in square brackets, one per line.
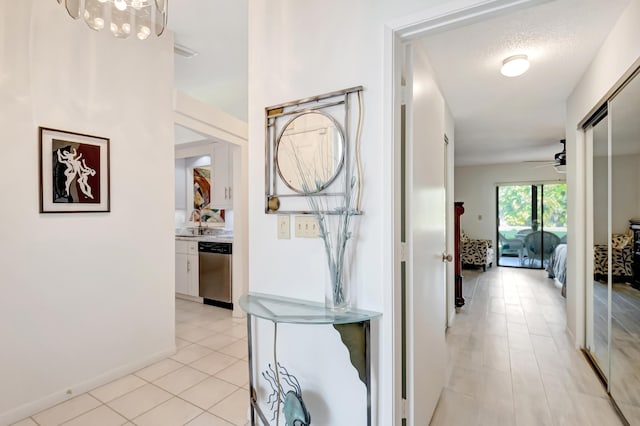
[336, 296]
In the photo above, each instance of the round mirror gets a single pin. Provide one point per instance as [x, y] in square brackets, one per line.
[310, 152]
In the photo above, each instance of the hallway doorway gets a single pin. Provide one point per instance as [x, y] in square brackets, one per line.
[420, 302]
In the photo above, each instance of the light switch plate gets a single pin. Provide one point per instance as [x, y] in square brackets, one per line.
[306, 227]
[284, 227]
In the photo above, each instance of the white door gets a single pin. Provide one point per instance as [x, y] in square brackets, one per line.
[426, 231]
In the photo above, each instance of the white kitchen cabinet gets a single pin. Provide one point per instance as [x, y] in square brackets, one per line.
[222, 176]
[187, 268]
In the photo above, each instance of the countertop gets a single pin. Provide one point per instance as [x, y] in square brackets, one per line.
[216, 237]
[212, 238]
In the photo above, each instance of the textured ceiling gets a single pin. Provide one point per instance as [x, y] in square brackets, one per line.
[506, 120]
[498, 119]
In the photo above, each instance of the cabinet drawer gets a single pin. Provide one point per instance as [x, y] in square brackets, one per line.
[193, 247]
[182, 246]
[186, 247]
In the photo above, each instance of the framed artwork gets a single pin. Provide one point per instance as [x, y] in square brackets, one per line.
[201, 187]
[74, 172]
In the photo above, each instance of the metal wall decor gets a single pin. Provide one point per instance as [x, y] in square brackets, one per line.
[313, 150]
[286, 391]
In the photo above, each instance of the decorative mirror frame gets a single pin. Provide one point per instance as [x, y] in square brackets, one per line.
[280, 198]
[338, 167]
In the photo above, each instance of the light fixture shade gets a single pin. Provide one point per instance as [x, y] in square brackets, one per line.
[94, 15]
[122, 17]
[515, 65]
[560, 168]
[73, 8]
[161, 16]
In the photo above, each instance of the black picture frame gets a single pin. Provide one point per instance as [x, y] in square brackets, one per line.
[74, 172]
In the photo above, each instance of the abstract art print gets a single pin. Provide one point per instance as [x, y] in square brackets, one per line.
[201, 187]
[74, 172]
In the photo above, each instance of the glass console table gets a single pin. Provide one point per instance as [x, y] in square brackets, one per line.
[353, 326]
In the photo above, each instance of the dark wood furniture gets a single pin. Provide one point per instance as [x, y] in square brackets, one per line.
[458, 211]
[635, 262]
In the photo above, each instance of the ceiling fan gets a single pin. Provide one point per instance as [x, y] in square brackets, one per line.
[559, 159]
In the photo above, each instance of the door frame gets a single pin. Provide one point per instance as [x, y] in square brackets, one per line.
[207, 120]
[396, 34]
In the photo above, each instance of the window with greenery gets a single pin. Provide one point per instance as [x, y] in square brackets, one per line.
[523, 209]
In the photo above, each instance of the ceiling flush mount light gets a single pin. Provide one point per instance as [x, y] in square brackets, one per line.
[122, 17]
[515, 65]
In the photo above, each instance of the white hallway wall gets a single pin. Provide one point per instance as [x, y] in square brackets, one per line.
[301, 49]
[476, 187]
[619, 53]
[85, 297]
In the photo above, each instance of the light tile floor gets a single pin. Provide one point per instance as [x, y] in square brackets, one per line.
[204, 384]
[511, 362]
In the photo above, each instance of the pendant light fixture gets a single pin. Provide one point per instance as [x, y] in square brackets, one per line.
[515, 65]
[122, 17]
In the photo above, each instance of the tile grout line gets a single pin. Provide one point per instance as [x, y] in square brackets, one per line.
[234, 337]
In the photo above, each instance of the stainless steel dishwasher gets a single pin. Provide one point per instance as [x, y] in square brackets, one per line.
[215, 273]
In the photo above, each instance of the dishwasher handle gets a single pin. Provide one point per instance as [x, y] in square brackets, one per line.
[214, 247]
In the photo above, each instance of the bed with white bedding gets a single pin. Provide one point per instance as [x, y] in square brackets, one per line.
[557, 266]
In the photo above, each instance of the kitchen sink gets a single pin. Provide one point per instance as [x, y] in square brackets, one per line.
[206, 232]
[188, 232]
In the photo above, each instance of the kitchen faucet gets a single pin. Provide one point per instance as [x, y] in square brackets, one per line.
[196, 213]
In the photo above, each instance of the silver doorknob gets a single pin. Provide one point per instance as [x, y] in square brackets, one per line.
[447, 257]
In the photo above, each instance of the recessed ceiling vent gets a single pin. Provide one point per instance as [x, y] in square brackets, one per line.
[182, 50]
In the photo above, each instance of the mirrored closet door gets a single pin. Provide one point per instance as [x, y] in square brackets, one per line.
[624, 117]
[600, 289]
[613, 331]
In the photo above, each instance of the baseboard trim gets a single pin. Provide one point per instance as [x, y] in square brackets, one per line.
[189, 298]
[31, 408]
[218, 303]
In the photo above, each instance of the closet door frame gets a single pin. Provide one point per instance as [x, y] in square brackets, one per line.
[603, 370]
[604, 110]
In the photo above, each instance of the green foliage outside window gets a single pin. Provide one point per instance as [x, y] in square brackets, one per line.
[515, 207]
[555, 205]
